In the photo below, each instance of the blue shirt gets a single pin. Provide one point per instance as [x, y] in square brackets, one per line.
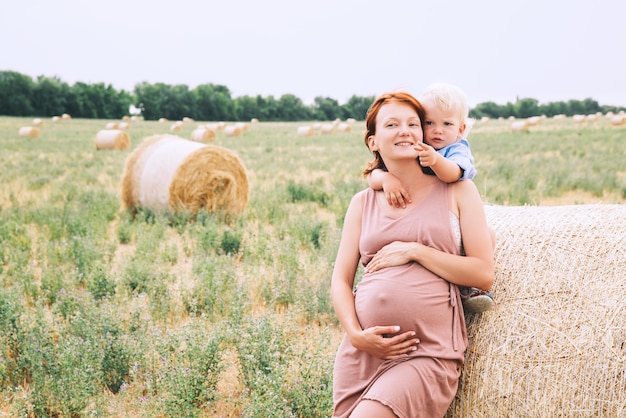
[460, 153]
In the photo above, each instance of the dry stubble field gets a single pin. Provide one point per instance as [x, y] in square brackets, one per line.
[169, 316]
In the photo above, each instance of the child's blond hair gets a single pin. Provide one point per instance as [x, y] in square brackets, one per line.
[446, 97]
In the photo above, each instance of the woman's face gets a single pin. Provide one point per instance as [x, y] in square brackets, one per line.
[398, 130]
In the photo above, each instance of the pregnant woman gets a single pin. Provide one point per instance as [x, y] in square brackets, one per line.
[405, 334]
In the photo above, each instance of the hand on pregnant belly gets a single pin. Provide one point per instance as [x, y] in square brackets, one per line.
[385, 342]
[393, 254]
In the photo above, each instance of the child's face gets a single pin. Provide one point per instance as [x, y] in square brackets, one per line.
[441, 127]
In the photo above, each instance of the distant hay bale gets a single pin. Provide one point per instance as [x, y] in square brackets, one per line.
[327, 128]
[176, 126]
[56, 119]
[37, 122]
[125, 117]
[232, 130]
[169, 173]
[123, 125]
[244, 127]
[254, 120]
[29, 131]
[555, 342]
[112, 139]
[520, 126]
[305, 131]
[579, 118]
[344, 127]
[66, 116]
[202, 134]
[618, 120]
[163, 120]
[111, 125]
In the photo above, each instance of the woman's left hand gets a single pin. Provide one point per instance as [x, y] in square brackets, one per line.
[396, 253]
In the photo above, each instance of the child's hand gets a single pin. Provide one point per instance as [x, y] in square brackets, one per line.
[428, 156]
[396, 195]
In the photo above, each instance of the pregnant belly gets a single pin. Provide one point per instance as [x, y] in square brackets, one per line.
[411, 299]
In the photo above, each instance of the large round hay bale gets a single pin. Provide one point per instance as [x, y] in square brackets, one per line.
[29, 131]
[555, 342]
[112, 139]
[37, 122]
[169, 173]
[202, 134]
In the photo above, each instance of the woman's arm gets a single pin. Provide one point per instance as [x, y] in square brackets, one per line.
[346, 264]
[476, 267]
[371, 339]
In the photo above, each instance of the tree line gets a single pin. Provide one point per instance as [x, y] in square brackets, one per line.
[21, 95]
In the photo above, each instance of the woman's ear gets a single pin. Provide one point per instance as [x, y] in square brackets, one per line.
[371, 143]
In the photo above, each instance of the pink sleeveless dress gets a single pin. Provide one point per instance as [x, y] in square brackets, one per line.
[424, 383]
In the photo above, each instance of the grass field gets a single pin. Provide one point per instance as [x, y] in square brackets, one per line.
[105, 315]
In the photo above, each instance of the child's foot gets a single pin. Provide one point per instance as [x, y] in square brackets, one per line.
[476, 300]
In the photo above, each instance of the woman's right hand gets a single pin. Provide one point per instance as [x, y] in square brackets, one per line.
[395, 253]
[379, 342]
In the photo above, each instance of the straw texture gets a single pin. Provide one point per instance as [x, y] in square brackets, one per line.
[555, 343]
[212, 178]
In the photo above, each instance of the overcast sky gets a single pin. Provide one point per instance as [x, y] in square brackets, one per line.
[496, 50]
